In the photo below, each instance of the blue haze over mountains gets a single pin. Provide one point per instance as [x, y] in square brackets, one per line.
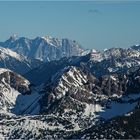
[63, 87]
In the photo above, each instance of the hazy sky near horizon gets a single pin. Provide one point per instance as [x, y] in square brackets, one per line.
[97, 25]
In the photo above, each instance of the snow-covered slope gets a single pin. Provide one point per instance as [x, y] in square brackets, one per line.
[43, 48]
[16, 96]
[74, 101]
[122, 127]
[7, 52]
[16, 62]
[80, 97]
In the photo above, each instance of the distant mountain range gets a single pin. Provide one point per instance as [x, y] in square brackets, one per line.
[54, 89]
[43, 48]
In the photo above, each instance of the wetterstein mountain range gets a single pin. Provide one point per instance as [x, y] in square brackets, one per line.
[54, 88]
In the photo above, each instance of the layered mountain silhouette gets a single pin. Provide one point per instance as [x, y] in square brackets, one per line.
[54, 89]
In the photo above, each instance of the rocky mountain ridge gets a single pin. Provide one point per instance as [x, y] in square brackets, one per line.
[114, 60]
[92, 95]
[43, 48]
[74, 102]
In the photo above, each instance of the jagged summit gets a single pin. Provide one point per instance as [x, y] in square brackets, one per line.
[44, 48]
[13, 37]
[47, 37]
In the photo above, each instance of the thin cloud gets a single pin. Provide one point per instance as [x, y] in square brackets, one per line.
[94, 11]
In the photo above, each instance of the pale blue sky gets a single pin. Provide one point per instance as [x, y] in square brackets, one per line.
[95, 25]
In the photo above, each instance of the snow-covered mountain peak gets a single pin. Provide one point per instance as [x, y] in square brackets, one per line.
[47, 38]
[93, 51]
[52, 41]
[96, 55]
[13, 38]
[44, 48]
[113, 52]
[71, 75]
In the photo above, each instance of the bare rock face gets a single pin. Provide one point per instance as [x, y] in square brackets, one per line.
[113, 84]
[15, 81]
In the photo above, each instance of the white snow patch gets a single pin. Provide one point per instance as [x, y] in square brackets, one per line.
[76, 127]
[113, 78]
[91, 109]
[2, 70]
[5, 52]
